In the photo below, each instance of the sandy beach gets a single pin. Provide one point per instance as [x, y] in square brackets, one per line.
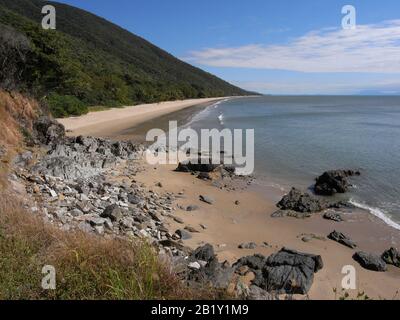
[244, 215]
[112, 122]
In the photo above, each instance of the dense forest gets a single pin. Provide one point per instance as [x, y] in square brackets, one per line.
[88, 61]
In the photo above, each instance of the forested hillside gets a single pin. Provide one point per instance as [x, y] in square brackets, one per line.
[88, 61]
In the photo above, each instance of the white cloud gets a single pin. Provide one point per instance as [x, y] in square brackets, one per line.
[373, 48]
[315, 86]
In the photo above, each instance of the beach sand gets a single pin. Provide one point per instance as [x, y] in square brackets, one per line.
[228, 224]
[128, 122]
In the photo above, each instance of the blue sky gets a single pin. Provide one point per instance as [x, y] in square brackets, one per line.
[277, 47]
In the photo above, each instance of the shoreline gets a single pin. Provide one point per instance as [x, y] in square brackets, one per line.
[251, 221]
[112, 122]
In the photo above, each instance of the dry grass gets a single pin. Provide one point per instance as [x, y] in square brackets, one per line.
[87, 267]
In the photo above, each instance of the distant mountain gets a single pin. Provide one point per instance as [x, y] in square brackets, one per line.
[90, 61]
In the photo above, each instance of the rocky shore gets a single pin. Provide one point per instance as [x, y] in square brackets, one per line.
[89, 184]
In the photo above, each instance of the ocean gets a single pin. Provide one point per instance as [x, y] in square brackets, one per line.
[297, 138]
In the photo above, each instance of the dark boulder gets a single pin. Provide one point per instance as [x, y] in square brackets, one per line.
[342, 239]
[332, 182]
[370, 261]
[48, 131]
[197, 166]
[113, 212]
[218, 275]
[392, 256]
[291, 214]
[204, 253]
[255, 262]
[290, 272]
[183, 234]
[301, 202]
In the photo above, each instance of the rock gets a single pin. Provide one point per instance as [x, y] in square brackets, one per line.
[392, 257]
[237, 202]
[334, 216]
[370, 261]
[332, 182]
[255, 262]
[250, 245]
[204, 176]
[193, 166]
[258, 294]
[183, 234]
[291, 214]
[159, 184]
[290, 272]
[192, 208]
[342, 239]
[179, 220]
[48, 131]
[204, 253]
[191, 229]
[297, 201]
[113, 212]
[194, 265]
[207, 199]
[133, 199]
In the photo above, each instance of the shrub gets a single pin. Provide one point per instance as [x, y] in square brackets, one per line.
[64, 105]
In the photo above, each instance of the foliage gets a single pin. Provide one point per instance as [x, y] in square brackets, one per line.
[100, 63]
[62, 106]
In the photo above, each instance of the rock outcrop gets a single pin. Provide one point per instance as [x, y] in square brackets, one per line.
[335, 181]
[392, 257]
[370, 261]
[342, 239]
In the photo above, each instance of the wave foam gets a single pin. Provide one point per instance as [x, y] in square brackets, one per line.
[377, 213]
[221, 119]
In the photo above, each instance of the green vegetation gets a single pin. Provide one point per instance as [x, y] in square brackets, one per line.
[94, 61]
[62, 106]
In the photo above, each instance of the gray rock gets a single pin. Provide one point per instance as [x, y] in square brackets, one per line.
[204, 253]
[370, 261]
[206, 199]
[113, 212]
[290, 272]
[183, 234]
[342, 239]
[392, 256]
[295, 200]
[250, 245]
[335, 181]
[334, 216]
[255, 262]
[133, 199]
[48, 131]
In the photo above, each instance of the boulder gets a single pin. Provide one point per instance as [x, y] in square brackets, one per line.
[255, 262]
[113, 212]
[204, 253]
[370, 261]
[334, 216]
[392, 256]
[342, 239]
[197, 166]
[48, 131]
[332, 182]
[249, 246]
[298, 201]
[183, 234]
[290, 272]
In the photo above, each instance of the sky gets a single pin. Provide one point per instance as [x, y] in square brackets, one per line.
[272, 46]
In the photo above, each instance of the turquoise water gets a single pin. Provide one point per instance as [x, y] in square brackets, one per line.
[297, 138]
